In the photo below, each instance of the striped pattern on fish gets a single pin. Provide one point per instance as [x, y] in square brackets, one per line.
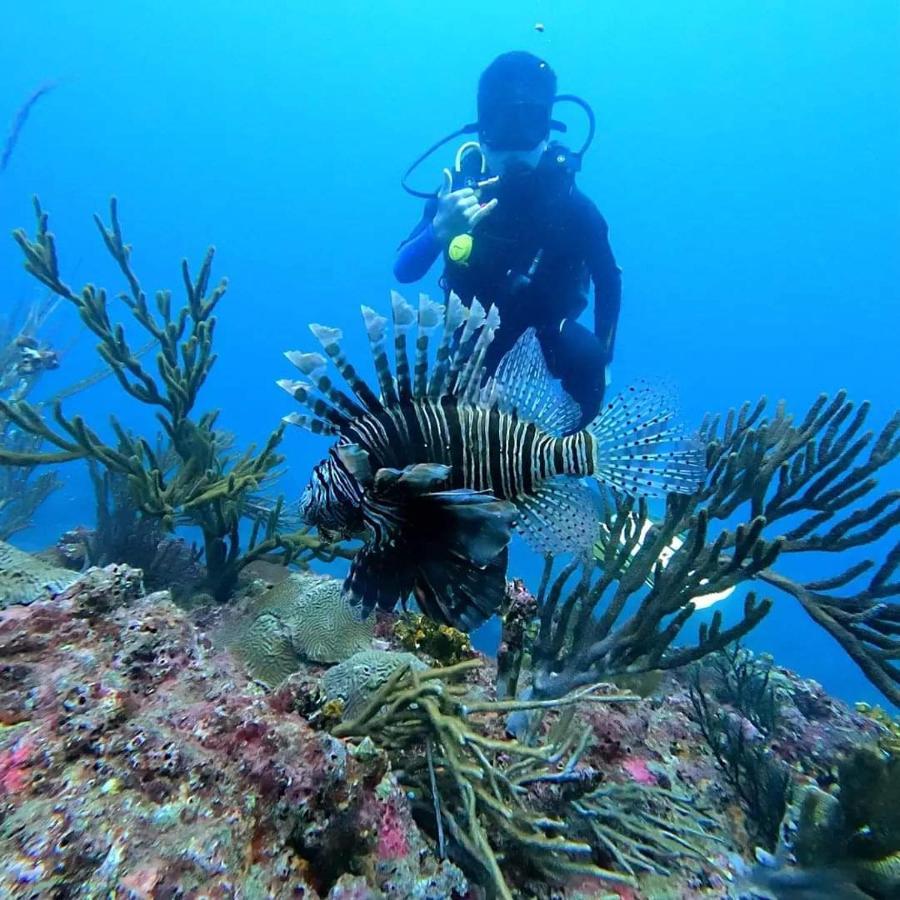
[486, 449]
[438, 467]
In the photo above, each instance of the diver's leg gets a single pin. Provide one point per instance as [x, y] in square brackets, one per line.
[576, 358]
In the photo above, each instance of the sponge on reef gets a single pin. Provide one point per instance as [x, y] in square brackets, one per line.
[304, 618]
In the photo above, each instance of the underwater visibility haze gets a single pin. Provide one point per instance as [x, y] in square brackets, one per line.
[700, 706]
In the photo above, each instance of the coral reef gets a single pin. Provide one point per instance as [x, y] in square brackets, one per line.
[844, 842]
[25, 578]
[306, 617]
[208, 485]
[136, 762]
[138, 759]
[739, 729]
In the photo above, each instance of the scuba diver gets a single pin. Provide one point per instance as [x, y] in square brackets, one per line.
[514, 229]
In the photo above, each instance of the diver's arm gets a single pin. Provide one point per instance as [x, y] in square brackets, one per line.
[607, 278]
[417, 255]
[448, 214]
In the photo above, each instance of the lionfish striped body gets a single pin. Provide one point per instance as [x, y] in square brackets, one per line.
[437, 468]
[486, 449]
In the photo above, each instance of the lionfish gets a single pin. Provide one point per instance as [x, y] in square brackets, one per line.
[436, 469]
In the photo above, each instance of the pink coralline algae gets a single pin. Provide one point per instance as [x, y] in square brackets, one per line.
[14, 766]
[392, 831]
[638, 771]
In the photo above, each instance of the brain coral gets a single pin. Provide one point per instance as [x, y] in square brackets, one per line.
[354, 680]
[305, 617]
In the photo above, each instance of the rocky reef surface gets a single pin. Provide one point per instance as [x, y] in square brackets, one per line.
[139, 759]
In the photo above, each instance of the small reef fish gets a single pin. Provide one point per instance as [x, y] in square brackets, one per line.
[436, 469]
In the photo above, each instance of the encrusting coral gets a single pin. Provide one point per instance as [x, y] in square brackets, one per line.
[207, 487]
[445, 644]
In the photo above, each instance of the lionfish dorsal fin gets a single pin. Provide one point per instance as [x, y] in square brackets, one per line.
[311, 364]
[465, 344]
[430, 315]
[454, 316]
[472, 375]
[523, 386]
[315, 367]
[404, 317]
[376, 328]
[333, 407]
[330, 339]
[316, 426]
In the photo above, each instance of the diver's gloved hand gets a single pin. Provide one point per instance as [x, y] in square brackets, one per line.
[458, 212]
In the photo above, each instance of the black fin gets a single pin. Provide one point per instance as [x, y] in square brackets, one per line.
[450, 545]
[379, 577]
[459, 594]
[397, 485]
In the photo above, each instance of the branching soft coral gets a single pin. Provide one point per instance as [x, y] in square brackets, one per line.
[794, 488]
[207, 486]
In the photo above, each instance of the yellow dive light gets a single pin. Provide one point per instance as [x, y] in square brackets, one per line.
[460, 249]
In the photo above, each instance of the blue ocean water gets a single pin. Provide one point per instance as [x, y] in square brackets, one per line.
[747, 160]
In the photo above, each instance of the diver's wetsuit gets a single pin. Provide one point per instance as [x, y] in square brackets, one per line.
[539, 217]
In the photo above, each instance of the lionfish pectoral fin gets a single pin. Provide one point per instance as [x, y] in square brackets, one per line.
[469, 525]
[561, 516]
[524, 385]
[460, 594]
[459, 541]
[356, 461]
[449, 545]
[378, 577]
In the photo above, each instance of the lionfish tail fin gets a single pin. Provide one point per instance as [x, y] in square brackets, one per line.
[640, 450]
